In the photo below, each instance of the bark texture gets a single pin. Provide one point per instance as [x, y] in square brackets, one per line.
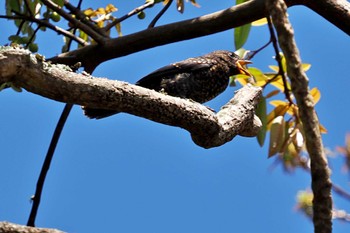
[320, 174]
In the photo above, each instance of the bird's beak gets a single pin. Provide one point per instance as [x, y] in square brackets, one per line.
[241, 65]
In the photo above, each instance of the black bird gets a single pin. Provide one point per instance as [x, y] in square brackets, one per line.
[199, 79]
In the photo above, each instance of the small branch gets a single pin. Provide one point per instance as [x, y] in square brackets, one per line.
[43, 23]
[164, 9]
[128, 15]
[100, 39]
[321, 183]
[279, 62]
[207, 128]
[82, 17]
[7, 227]
[46, 166]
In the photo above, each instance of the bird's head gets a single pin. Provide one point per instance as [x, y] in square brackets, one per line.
[236, 63]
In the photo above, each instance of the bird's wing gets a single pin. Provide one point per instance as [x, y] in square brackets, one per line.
[154, 79]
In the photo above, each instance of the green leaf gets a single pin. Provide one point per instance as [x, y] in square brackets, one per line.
[261, 113]
[12, 5]
[241, 35]
[33, 47]
[59, 2]
[276, 135]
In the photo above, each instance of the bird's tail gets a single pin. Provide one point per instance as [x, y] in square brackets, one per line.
[98, 113]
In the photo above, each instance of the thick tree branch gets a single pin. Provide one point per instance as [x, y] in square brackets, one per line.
[335, 11]
[7, 227]
[321, 183]
[57, 82]
[193, 28]
[170, 33]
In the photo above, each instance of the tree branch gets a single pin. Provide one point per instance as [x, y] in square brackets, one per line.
[321, 183]
[189, 29]
[335, 11]
[99, 38]
[58, 82]
[7, 227]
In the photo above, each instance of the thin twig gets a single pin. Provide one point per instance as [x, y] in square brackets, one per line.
[43, 23]
[45, 168]
[165, 8]
[279, 61]
[82, 17]
[100, 39]
[128, 15]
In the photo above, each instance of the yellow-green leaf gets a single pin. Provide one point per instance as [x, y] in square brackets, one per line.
[241, 35]
[274, 68]
[259, 22]
[306, 66]
[276, 112]
[316, 94]
[111, 8]
[276, 135]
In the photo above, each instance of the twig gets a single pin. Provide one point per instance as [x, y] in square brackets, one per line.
[47, 24]
[131, 13]
[46, 165]
[100, 39]
[82, 17]
[165, 8]
[279, 61]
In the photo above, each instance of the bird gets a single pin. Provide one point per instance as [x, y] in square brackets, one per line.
[199, 78]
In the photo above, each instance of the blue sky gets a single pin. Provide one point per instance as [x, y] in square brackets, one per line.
[128, 174]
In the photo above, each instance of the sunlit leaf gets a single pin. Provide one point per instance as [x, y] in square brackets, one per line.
[259, 76]
[306, 66]
[118, 27]
[100, 11]
[241, 52]
[277, 111]
[259, 22]
[316, 94]
[241, 35]
[290, 108]
[274, 68]
[111, 8]
[276, 135]
[241, 78]
[261, 113]
[323, 129]
[272, 93]
[89, 12]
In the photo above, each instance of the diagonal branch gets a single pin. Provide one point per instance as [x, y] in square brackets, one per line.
[321, 183]
[43, 23]
[58, 82]
[100, 39]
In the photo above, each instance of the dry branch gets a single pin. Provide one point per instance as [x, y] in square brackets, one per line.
[58, 82]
